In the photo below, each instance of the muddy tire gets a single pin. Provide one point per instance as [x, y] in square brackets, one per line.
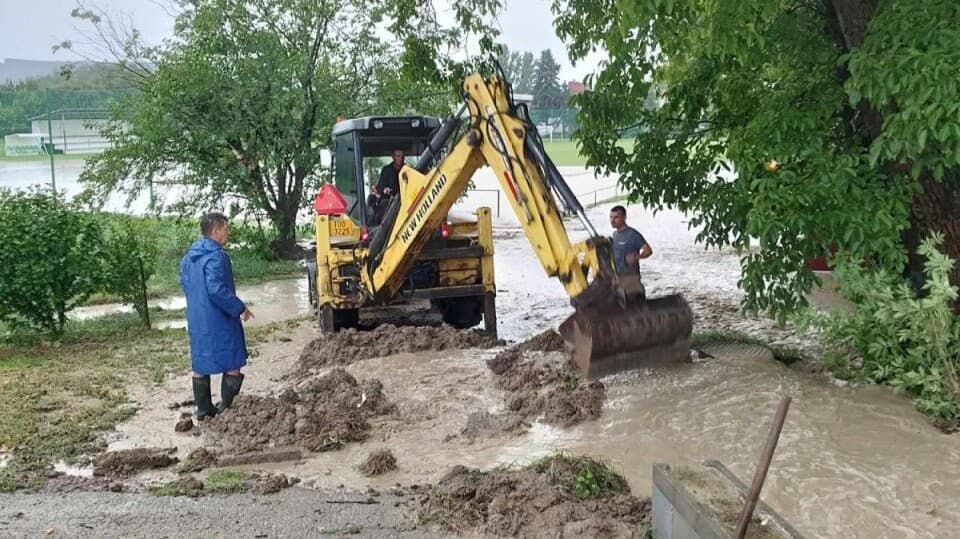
[462, 313]
[332, 320]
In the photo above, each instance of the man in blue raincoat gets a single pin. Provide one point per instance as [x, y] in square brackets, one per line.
[217, 343]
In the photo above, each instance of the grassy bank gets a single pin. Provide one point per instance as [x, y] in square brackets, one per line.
[564, 152]
[56, 402]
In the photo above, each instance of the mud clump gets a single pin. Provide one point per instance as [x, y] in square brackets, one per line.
[184, 486]
[61, 483]
[485, 424]
[378, 463]
[269, 483]
[184, 424]
[320, 414]
[558, 496]
[225, 481]
[546, 385]
[198, 460]
[349, 346]
[132, 461]
[548, 341]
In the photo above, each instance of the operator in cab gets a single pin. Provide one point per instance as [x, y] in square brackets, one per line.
[388, 185]
[629, 245]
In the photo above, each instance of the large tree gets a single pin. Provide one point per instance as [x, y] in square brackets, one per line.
[241, 103]
[519, 68]
[548, 93]
[840, 120]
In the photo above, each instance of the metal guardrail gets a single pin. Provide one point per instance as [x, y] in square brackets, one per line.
[497, 191]
[616, 193]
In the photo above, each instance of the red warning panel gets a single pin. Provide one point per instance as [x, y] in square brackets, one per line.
[329, 201]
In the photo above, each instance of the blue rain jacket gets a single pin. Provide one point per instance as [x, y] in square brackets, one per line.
[217, 343]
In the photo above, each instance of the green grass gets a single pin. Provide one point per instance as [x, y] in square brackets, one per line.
[58, 400]
[226, 482]
[583, 476]
[564, 152]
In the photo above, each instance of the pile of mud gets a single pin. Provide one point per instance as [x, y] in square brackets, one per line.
[257, 483]
[546, 385]
[61, 483]
[378, 463]
[321, 414]
[484, 424]
[348, 346]
[198, 460]
[558, 496]
[132, 461]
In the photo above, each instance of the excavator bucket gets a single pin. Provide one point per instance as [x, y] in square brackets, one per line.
[619, 329]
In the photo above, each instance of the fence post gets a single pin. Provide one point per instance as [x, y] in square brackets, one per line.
[143, 290]
[53, 174]
[498, 203]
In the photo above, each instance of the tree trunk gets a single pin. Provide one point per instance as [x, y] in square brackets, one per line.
[284, 219]
[285, 246]
[937, 206]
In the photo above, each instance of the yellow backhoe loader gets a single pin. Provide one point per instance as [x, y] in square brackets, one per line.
[411, 249]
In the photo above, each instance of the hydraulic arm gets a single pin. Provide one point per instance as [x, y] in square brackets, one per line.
[613, 319]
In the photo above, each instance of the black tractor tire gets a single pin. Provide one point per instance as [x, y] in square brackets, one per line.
[462, 313]
[333, 320]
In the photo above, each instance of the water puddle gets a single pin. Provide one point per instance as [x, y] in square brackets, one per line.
[73, 471]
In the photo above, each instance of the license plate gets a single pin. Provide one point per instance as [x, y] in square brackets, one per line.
[341, 227]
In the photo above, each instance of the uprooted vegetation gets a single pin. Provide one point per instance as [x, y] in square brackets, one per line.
[545, 385]
[378, 463]
[558, 495]
[224, 482]
[198, 460]
[351, 345]
[322, 413]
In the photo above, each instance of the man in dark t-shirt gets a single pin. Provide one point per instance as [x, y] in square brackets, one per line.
[629, 246]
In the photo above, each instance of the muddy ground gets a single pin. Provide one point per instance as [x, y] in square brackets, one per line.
[321, 413]
[546, 386]
[351, 345]
[559, 496]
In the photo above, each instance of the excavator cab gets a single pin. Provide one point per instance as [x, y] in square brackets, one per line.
[453, 271]
[361, 146]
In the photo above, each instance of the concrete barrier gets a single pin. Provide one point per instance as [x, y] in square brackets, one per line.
[679, 513]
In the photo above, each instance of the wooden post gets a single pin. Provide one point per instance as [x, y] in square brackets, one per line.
[143, 290]
[761, 473]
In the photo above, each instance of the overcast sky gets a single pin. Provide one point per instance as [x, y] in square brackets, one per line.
[28, 28]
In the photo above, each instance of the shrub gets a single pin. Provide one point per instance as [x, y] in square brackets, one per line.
[51, 258]
[130, 257]
[911, 343]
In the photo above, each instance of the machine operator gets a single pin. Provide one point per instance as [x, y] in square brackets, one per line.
[629, 245]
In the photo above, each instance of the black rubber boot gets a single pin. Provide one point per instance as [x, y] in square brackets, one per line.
[201, 394]
[229, 387]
